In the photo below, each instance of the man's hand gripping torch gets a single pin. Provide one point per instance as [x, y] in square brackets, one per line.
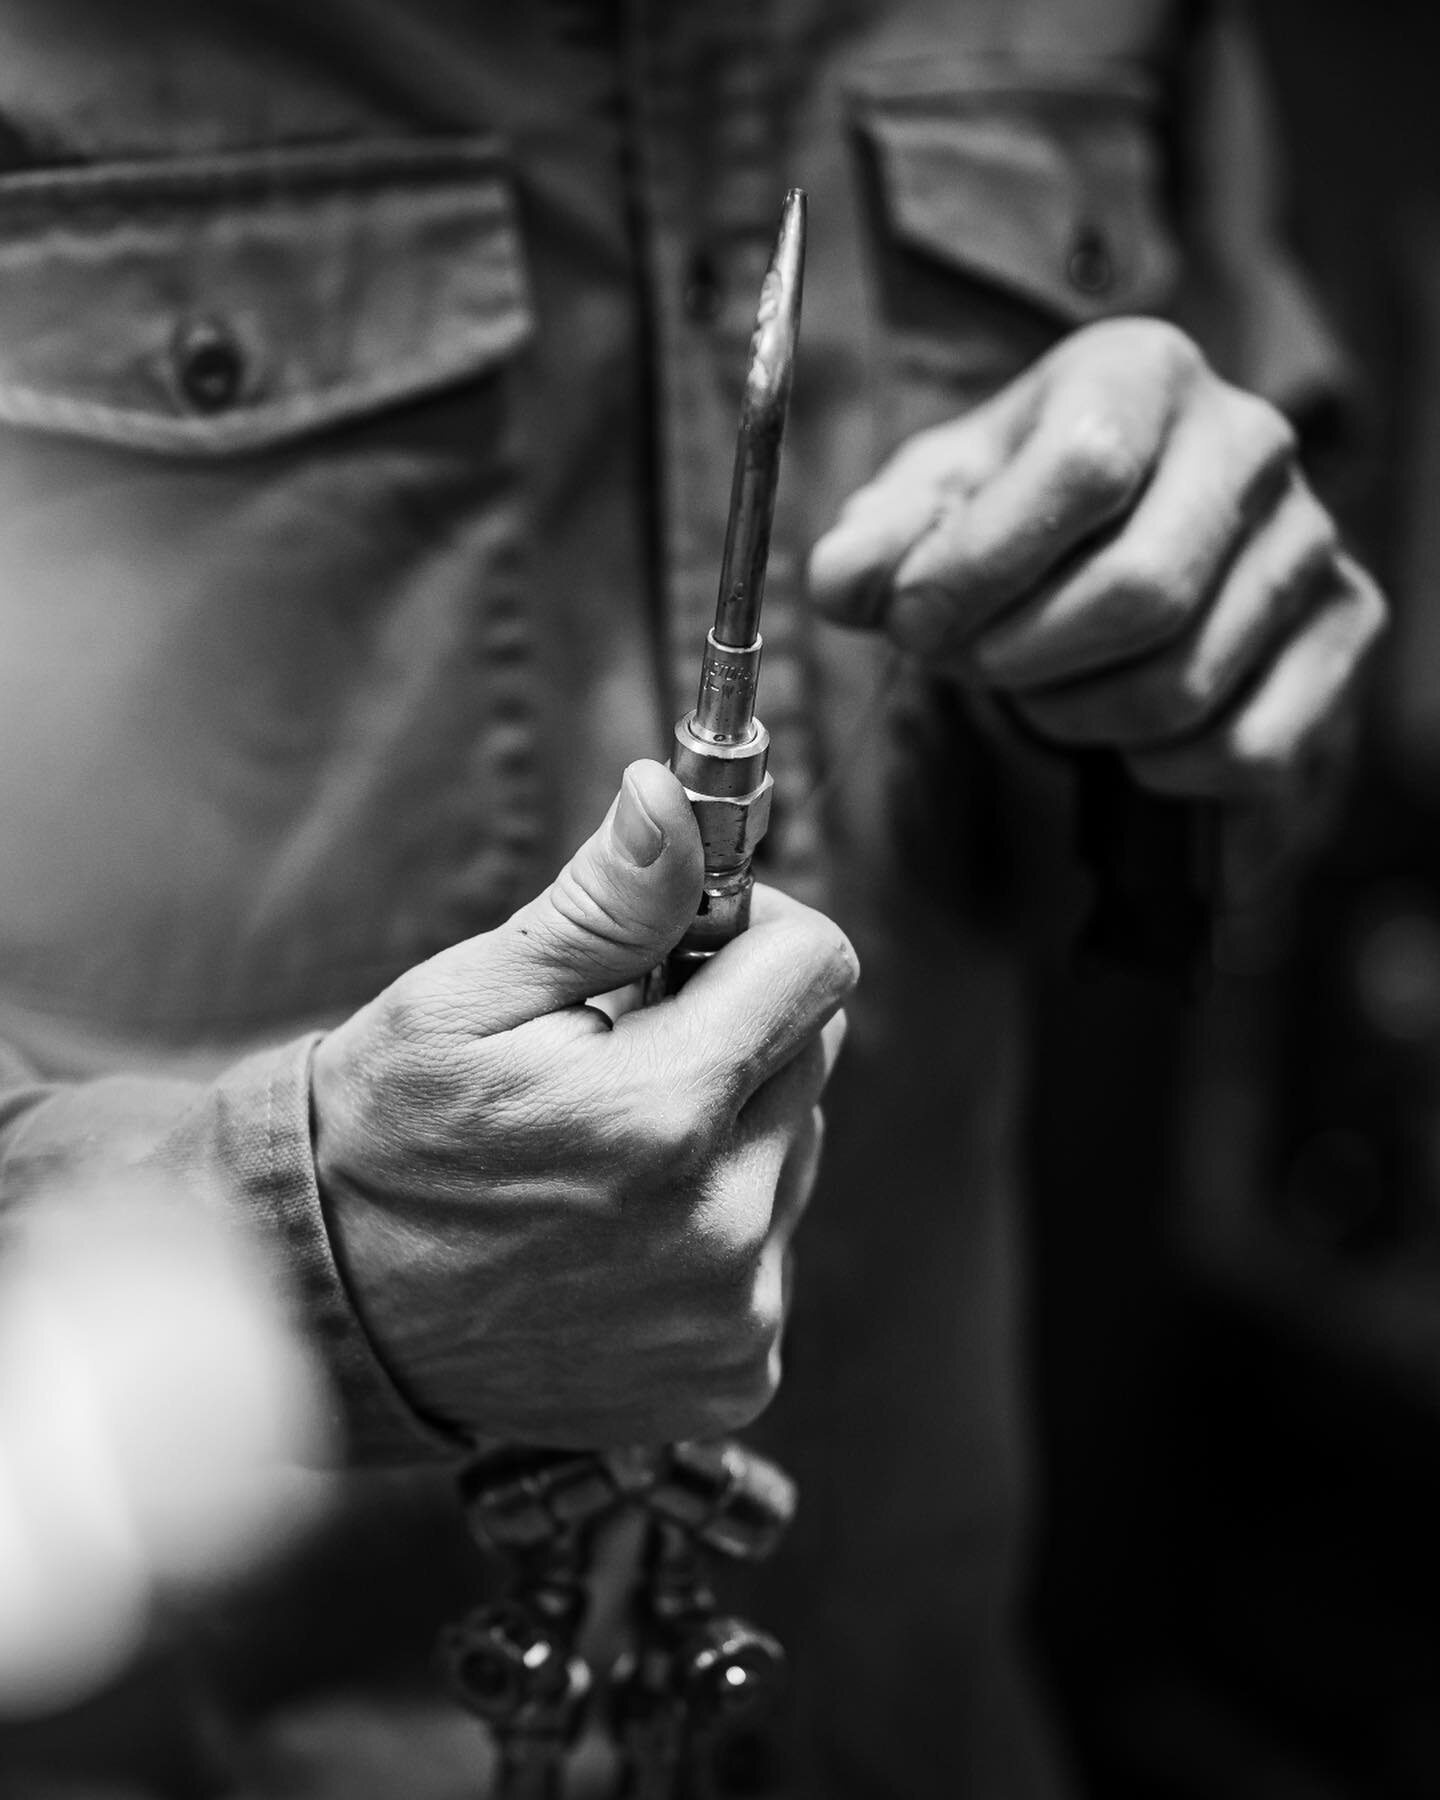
[690, 1671]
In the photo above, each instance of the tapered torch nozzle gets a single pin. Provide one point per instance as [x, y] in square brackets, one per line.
[726, 705]
[721, 749]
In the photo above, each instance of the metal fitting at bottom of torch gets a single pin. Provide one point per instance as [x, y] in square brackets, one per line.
[724, 913]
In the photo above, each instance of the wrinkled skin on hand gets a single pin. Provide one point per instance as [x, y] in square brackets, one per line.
[1123, 546]
[563, 1230]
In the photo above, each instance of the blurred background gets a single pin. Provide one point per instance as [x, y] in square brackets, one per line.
[1236, 1230]
[1239, 1590]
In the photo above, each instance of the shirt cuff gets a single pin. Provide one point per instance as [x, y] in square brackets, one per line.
[248, 1140]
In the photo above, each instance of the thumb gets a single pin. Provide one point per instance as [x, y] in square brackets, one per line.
[613, 912]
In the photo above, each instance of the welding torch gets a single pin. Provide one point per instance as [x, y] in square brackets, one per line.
[721, 750]
[694, 1670]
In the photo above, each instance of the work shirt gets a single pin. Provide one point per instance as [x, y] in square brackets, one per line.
[368, 382]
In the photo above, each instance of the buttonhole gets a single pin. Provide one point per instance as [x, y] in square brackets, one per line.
[1091, 267]
[209, 365]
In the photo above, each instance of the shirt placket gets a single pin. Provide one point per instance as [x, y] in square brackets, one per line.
[710, 170]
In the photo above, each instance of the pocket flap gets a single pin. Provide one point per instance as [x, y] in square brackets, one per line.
[223, 303]
[1050, 193]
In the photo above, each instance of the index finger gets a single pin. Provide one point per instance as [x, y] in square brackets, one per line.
[1095, 431]
[751, 1009]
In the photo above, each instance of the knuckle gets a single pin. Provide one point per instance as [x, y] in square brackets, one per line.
[668, 1129]
[1372, 615]
[734, 1239]
[423, 1038]
[735, 1271]
[1259, 760]
[740, 1371]
[1177, 350]
[1318, 550]
[763, 1318]
[1142, 602]
[739, 1397]
[1172, 702]
[817, 945]
[842, 965]
[1265, 436]
[1299, 580]
[730, 1203]
[407, 1010]
[1190, 699]
[1168, 352]
[1101, 462]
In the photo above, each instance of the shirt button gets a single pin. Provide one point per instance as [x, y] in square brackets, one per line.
[209, 364]
[704, 292]
[1091, 267]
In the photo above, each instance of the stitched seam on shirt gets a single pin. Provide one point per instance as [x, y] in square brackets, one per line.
[924, 80]
[361, 167]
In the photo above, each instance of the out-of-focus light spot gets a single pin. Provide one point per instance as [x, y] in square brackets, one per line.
[75, 1583]
[154, 1409]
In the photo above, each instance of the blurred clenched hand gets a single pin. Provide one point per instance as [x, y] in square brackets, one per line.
[1123, 545]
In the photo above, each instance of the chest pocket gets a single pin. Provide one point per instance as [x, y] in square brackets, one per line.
[230, 302]
[1004, 206]
[271, 663]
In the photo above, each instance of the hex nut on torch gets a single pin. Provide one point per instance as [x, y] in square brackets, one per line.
[731, 830]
